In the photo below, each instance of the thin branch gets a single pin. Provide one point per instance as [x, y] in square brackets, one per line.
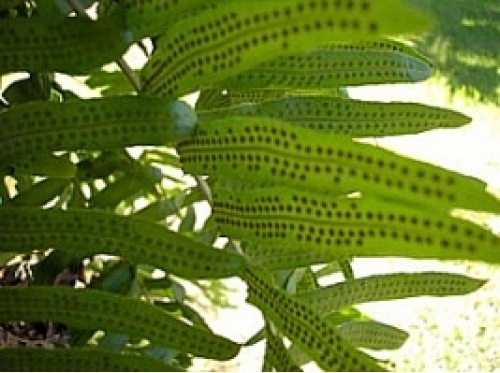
[204, 187]
[78, 8]
[143, 47]
[129, 73]
[124, 66]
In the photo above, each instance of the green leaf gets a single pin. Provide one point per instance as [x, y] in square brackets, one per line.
[94, 124]
[123, 188]
[57, 262]
[221, 41]
[68, 44]
[373, 335]
[307, 282]
[346, 268]
[302, 325]
[40, 193]
[104, 165]
[388, 287]
[91, 232]
[336, 65]
[277, 354]
[91, 309]
[78, 199]
[162, 208]
[189, 220]
[328, 269]
[302, 227]
[117, 278]
[163, 156]
[154, 17]
[185, 311]
[77, 360]
[346, 117]
[269, 151]
[211, 99]
[41, 164]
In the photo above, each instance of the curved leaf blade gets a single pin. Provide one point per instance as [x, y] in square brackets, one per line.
[277, 355]
[222, 41]
[94, 124]
[93, 232]
[309, 227]
[346, 117]
[40, 193]
[373, 335]
[67, 44]
[336, 65]
[269, 151]
[42, 164]
[154, 17]
[388, 287]
[91, 309]
[77, 360]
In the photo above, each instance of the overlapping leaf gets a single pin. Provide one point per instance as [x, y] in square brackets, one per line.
[388, 287]
[71, 45]
[77, 360]
[346, 117]
[265, 150]
[224, 40]
[94, 124]
[304, 225]
[93, 232]
[91, 309]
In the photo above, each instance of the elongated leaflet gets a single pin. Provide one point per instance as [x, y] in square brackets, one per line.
[302, 325]
[277, 354]
[216, 43]
[95, 124]
[161, 208]
[346, 117]
[258, 150]
[77, 360]
[387, 287]
[41, 164]
[104, 165]
[40, 193]
[211, 98]
[154, 17]
[69, 44]
[333, 66]
[286, 256]
[328, 228]
[91, 309]
[126, 187]
[92, 232]
[307, 282]
[373, 335]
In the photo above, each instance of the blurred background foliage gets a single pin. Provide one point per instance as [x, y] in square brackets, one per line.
[464, 45]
